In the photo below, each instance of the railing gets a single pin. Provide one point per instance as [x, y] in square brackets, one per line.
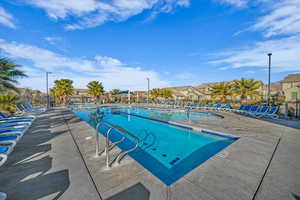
[108, 147]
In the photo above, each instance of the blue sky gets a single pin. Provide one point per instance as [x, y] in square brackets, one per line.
[173, 42]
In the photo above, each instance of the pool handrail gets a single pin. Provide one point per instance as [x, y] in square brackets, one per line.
[120, 155]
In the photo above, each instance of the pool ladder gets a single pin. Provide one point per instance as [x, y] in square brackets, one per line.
[110, 145]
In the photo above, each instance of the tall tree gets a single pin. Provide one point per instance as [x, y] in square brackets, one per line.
[245, 88]
[155, 93]
[62, 90]
[95, 88]
[9, 72]
[166, 93]
[221, 90]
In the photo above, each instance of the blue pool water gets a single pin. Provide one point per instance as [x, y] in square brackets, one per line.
[168, 151]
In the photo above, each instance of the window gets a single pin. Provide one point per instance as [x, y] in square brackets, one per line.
[290, 85]
[295, 96]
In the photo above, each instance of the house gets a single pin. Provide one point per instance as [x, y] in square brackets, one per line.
[80, 96]
[291, 87]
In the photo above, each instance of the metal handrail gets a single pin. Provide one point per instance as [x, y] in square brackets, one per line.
[119, 157]
[97, 136]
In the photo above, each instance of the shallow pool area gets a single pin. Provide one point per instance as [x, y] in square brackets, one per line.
[167, 151]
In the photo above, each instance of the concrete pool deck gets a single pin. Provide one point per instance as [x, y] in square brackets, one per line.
[56, 160]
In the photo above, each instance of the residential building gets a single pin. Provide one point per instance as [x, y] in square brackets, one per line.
[291, 87]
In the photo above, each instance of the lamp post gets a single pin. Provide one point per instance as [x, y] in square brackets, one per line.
[269, 78]
[47, 90]
[148, 79]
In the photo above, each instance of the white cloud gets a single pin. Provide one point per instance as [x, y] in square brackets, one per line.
[52, 39]
[6, 18]
[111, 71]
[236, 3]
[283, 18]
[285, 55]
[92, 13]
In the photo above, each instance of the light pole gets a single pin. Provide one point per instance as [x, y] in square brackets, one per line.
[148, 79]
[47, 91]
[269, 78]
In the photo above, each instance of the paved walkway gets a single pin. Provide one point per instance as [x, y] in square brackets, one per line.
[46, 165]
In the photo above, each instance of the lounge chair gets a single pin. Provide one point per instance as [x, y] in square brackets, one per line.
[211, 106]
[13, 131]
[10, 139]
[243, 109]
[262, 111]
[253, 109]
[4, 152]
[40, 109]
[196, 106]
[203, 106]
[271, 113]
[6, 117]
[13, 125]
[227, 107]
[218, 107]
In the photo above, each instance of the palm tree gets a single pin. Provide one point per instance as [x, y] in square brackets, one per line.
[95, 89]
[9, 72]
[62, 90]
[166, 93]
[155, 93]
[245, 88]
[221, 90]
[8, 101]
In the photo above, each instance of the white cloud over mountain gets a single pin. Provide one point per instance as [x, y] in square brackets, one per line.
[92, 13]
[111, 71]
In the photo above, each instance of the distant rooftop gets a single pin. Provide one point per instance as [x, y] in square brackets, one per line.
[292, 78]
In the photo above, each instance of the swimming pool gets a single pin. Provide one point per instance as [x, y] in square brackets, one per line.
[166, 150]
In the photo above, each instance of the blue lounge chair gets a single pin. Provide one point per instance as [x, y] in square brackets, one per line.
[271, 113]
[219, 107]
[196, 106]
[203, 106]
[253, 109]
[4, 152]
[227, 107]
[263, 110]
[13, 125]
[6, 117]
[10, 139]
[244, 109]
[211, 106]
[13, 131]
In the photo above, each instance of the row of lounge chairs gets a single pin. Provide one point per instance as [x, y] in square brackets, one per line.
[12, 130]
[259, 111]
[251, 110]
[28, 108]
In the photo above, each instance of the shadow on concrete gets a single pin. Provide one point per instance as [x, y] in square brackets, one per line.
[296, 196]
[284, 122]
[135, 192]
[26, 173]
